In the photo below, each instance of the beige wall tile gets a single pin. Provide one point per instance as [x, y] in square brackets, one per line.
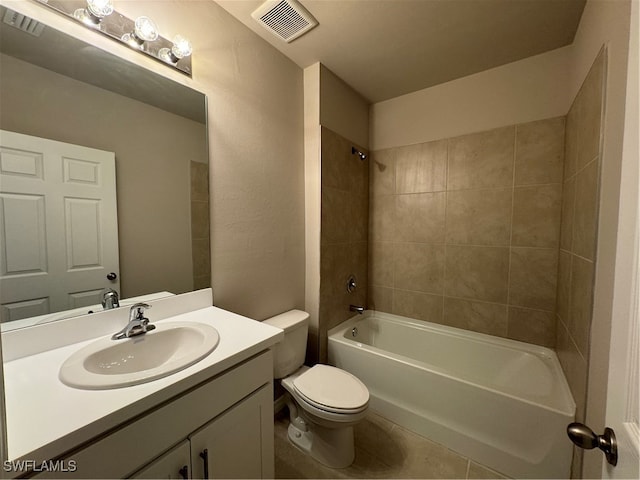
[338, 262]
[533, 278]
[357, 212]
[200, 219]
[380, 299]
[201, 257]
[419, 266]
[199, 181]
[574, 367]
[421, 306]
[532, 326]
[334, 270]
[479, 217]
[382, 171]
[381, 255]
[571, 141]
[536, 216]
[564, 285]
[540, 152]
[489, 318]
[481, 160]
[358, 266]
[202, 282]
[419, 217]
[590, 99]
[586, 211]
[566, 222]
[334, 218]
[479, 273]
[335, 155]
[421, 168]
[581, 303]
[382, 218]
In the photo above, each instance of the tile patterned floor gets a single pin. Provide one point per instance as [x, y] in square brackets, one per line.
[383, 450]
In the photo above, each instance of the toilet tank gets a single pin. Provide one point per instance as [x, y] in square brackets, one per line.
[289, 354]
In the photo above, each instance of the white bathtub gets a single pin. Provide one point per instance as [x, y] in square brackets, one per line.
[502, 403]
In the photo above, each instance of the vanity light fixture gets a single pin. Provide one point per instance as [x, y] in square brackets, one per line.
[94, 12]
[141, 35]
[145, 30]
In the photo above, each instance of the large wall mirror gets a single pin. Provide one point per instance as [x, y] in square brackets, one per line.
[126, 150]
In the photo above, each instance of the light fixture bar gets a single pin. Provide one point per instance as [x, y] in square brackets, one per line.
[122, 29]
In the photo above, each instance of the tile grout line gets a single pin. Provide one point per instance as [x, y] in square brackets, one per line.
[513, 194]
[446, 201]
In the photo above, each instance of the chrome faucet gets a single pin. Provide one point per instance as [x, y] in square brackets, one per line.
[138, 323]
[110, 299]
[355, 308]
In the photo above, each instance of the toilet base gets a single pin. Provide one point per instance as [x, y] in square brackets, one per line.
[333, 447]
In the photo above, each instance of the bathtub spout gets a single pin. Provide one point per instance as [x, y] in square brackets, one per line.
[355, 308]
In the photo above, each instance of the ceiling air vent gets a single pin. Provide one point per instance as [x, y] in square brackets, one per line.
[24, 23]
[285, 18]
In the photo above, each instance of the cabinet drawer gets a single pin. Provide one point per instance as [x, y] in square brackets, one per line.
[127, 448]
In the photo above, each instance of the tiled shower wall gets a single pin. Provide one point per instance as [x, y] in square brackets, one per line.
[200, 250]
[465, 231]
[344, 213]
[578, 236]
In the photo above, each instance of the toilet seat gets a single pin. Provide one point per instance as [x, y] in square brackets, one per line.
[332, 389]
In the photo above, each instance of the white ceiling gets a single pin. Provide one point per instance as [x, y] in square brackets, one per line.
[386, 48]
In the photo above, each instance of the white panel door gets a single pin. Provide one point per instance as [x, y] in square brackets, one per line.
[58, 225]
[623, 407]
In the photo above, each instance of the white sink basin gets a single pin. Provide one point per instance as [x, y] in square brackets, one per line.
[108, 363]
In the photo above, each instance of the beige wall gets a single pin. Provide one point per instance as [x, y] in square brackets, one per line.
[255, 122]
[464, 231]
[342, 109]
[255, 98]
[149, 164]
[531, 89]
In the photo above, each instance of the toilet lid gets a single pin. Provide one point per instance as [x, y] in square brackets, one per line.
[332, 387]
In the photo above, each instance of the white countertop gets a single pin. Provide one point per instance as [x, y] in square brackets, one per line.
[45, 417]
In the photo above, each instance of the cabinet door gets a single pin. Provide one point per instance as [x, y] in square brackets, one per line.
[175, 464]
[238, 443]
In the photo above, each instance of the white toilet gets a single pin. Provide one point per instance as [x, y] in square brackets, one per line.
[324, 402]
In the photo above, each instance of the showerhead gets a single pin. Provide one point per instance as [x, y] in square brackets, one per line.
[362, 155]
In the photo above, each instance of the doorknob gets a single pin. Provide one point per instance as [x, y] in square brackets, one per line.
[585, 438]
[112, 276]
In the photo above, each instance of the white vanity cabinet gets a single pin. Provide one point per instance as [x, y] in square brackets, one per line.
[228, 420]
[231, 446]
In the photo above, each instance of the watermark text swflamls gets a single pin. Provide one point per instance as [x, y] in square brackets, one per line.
[16, 466]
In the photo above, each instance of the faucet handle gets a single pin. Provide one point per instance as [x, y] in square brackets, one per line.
[136, 312]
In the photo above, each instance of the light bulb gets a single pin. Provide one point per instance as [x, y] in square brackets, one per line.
[94, 13]
[181, 48]
[100, 8]
[145, 30]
